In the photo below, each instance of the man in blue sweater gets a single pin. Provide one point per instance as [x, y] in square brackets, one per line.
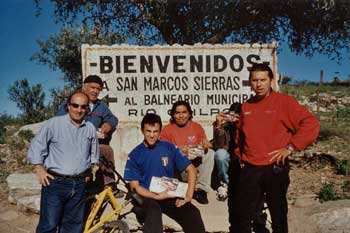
[156, 158]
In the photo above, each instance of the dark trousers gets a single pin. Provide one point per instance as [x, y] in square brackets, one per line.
[253, 182]
[234, 169]
[62, 206]
[188, 216]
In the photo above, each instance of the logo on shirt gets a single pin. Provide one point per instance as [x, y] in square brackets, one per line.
[270, 111]
[191, 139]
[165, 161]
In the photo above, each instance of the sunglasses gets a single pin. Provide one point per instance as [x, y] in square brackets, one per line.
[74, 105]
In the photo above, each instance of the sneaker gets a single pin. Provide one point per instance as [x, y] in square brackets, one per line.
[200, 196]
[222, 192]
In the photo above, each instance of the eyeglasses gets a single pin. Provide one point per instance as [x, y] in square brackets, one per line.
[74, 105]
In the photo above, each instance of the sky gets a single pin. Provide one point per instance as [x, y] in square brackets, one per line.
[20, 29]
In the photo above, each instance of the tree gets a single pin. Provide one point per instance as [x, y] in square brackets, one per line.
[63, 51]
[308, 26]
[29, 99]
[285, 80]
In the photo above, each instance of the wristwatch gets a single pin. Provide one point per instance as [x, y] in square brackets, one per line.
[291, 148]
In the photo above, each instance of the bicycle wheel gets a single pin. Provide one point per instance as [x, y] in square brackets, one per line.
[116, 226]
[120, 226]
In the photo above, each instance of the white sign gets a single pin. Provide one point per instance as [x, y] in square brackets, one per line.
[139, 79]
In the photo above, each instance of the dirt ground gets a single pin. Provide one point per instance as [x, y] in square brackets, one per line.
[13, 220]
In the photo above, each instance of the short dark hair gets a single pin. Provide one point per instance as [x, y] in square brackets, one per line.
[179, 103]
[71, 96]
[151, 119]
[236, 107]
[261, 67]
[93, 79]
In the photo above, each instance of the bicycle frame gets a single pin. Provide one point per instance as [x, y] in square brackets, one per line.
[100, 198]
[106, 196]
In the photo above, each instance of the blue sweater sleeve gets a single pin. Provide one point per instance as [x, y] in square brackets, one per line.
[62, 109]
[108, 116]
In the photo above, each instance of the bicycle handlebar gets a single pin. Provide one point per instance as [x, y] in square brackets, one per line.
[130, 193]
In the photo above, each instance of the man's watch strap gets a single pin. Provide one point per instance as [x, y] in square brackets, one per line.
[291, 148]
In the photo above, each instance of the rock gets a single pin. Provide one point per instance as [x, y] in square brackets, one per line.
[10, 130]
[333, 221]
[29, 203]
[306, 200]
[24, 190]
[33, 127]
[332, 217]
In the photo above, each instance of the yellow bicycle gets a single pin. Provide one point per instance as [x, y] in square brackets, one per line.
[114, 221]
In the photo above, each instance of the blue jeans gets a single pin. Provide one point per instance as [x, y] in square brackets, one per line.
[222, 158]
[62, 206]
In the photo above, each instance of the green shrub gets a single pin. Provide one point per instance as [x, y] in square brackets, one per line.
[26, 134]
[16, 145]
[343, 167]
[346, 186]
[327, 193]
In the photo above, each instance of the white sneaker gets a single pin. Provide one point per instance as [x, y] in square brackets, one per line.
[222, 192]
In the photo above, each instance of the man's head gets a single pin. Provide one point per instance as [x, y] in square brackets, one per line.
[181, 113]
[92, 87]
[260, 79]
[151, 125]
[77, 105]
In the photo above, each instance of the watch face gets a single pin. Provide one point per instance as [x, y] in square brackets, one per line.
[290, 149]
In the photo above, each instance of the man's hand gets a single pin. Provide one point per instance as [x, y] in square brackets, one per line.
[43, 176]
[181, 202]
[206, 144]
[220, 118]
[164, 195]
[184, 149]
[280, 155]
[94, 169]
[106, 128]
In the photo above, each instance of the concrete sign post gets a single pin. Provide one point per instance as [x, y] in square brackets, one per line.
[139, 79]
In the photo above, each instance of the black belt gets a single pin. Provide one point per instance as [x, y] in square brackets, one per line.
[78, 176]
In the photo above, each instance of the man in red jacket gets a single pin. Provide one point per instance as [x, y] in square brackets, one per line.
[274, 125]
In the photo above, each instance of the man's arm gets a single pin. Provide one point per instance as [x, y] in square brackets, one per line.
[191, 180]
[305, 127]
[110, 121]
[37, 153]
[95, 149]
[135, 186]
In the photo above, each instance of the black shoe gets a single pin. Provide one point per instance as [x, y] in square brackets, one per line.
[201, 196]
